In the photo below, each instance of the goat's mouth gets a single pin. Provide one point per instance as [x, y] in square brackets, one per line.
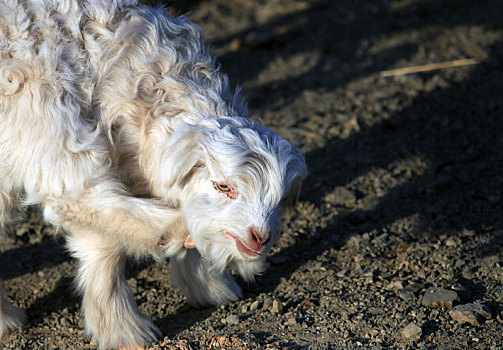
[242, 246]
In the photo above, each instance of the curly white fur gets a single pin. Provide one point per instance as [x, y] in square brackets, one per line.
[116, 120]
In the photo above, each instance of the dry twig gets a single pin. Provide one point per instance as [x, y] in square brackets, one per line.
[429, 67]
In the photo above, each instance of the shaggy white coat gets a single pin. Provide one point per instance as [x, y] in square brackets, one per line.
[115, 119]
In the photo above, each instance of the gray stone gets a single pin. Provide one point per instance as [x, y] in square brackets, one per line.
[472, 313]
[437, 297]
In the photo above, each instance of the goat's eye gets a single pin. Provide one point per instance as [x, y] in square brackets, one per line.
[225, 189]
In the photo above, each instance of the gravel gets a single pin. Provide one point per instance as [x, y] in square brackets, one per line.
[404, 192]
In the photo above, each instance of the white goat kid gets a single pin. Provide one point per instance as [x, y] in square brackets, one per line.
[115, 119]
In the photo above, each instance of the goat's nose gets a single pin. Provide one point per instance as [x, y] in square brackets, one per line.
[259, 237]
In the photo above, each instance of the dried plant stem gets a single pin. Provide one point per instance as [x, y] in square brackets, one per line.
[429, 67]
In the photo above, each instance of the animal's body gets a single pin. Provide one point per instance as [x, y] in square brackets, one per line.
[116, 121]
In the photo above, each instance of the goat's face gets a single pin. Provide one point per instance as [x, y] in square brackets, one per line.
[233, 178]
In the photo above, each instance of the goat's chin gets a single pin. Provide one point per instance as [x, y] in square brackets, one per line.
[221, 257]
[248, 269]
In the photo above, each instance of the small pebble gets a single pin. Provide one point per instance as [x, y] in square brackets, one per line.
[232, 319]
[267, 303]
[451, 242]
[467, 233]
[406, 295]
[395, 285]
[254, 306]
[343, 196]
[291, 321]
[276, 306]
[342, 273]
[412, 332]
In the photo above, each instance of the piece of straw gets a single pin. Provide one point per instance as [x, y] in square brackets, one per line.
[429, 67]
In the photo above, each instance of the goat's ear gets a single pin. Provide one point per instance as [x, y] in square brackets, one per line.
[292, 197]
[296, 173]
[182, 153]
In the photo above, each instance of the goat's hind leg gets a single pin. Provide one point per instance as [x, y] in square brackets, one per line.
[11, 317]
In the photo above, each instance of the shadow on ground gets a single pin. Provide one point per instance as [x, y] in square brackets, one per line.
[457, 130]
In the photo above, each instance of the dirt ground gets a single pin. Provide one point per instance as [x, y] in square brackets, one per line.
[405, 190]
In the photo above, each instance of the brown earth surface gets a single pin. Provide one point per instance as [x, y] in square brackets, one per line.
[404, 192]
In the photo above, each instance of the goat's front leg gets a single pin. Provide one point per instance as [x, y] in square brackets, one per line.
[110, 311]
[135, 224]
[201, 284]
[104, 226]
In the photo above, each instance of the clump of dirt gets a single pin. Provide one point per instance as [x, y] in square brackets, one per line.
[404, 193]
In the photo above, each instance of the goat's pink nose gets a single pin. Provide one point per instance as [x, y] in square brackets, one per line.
[258, 237]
